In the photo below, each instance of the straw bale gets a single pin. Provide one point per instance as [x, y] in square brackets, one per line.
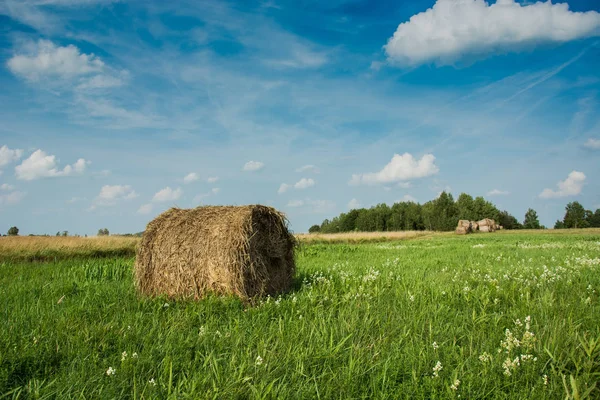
[461, 230]
[245, 251]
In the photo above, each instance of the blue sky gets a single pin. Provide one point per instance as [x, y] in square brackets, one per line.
[113, 111]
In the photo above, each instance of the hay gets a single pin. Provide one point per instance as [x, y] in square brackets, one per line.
[461, 230]
[474, 226]
[463, 223]
[246, 251]
[484, 228]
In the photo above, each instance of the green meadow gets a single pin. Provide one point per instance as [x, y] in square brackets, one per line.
[496, 316]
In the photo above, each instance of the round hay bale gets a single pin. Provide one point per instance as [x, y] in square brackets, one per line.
[463, 223]
[245, 251]
[474, 226]
[461, 230]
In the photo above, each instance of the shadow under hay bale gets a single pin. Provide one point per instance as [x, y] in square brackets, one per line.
[246, 251]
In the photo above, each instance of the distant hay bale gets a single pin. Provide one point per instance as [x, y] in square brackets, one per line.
[489, 223]
[474, 226]
[464, 223]
[246, 251]
[461, 230]
[484, 228]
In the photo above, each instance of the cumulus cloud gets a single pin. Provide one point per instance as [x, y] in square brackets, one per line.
[202, 196]
[401, 168]
[303, 183]
[353, 204]
[452, 29]
[167, 194]
[212, 179]
[44, 59]
[145, 209]
[295, 203]
[111, 194]
[313, 206]
[308, 168]
[591, 143]
[569, 187]
[11, 198]
[497, 192]
[191, 177]
[42, 165]
[9, 155]
[253, 166]
[6, 187]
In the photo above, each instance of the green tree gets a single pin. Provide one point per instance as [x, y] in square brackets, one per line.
[13, 231]
[594, 219]
[531, 220]
[103, 232]
[575, 216]
[559, 224]
[314, 229]
[57, 233]
[65, 233]
[507, 221]
[466, 207]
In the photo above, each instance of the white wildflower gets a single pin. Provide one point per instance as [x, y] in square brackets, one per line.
[111, 371]
[438, 367]
[435, 345]
[152, 382]
[259, 360]
[455, 385]
[123, 356]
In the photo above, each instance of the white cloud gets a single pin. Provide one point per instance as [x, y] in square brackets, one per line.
[46, 60]
[6, 187]
[253, 166]
[304, 183]
[308, 168]
[75, 199]
[593, 144]
[199, 198]
[408, 198]
[497, 192]
[353, 204]
[191, 177]
[41, 165]
[111, 194]
[9, 155]
[101, 82]
[11, 198]
[295, 203]
[167, 194]
[569, 187]
[404, 185]
[145, 209]
[452, 29]
[283, 188]
[401, 168]
[212, 179]
[313, 206]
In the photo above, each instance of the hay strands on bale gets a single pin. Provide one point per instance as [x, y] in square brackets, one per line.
[246, 251]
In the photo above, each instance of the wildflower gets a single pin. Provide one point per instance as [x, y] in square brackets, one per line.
[545, 379]
[166, 305]
[294, 299]
[134, 355]
[485, 357]
[438, 367]
[123, 356]
[152, 382]
[111, 371]
[259, 360]
[435, 346]
[411, 297]
[202, 331]
[455, 385]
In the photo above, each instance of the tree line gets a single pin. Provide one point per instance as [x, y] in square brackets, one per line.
[443, 214]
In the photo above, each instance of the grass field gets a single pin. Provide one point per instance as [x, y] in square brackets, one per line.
[506, 315]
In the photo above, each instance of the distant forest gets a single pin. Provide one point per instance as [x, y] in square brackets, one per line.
[443, 214]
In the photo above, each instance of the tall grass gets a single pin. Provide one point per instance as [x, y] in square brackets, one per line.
[481, 316]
